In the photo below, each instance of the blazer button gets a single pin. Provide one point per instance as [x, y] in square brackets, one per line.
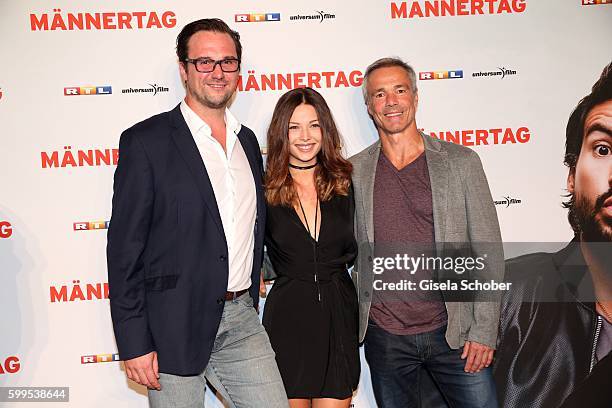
[220, 301]
[222, 258]
[370, 258]
[367, 294]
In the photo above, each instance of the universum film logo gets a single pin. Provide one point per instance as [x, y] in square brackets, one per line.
[431, 75]
[256, 17]
[507, 201]
[501, 72]
[319, 16]
[154, 90]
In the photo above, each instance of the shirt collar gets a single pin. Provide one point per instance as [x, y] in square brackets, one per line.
[196, 124]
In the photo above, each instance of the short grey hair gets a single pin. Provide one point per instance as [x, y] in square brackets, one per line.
[385, 63]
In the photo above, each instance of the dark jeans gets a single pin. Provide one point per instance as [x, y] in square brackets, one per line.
[396, 364]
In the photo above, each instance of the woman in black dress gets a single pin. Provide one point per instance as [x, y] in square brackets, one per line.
[311, 313]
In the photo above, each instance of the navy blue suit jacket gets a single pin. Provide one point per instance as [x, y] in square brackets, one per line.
[167, 252]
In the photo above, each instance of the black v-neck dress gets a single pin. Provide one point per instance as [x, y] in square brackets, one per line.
[313, 323]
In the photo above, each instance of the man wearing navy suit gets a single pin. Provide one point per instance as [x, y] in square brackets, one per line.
[185, 241]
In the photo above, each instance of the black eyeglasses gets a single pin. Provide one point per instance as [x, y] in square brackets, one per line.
[209, 65]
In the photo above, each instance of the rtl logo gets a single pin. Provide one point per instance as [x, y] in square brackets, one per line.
[424, 76]
[88, 90]
[90, 225]
[100, 358]
[6, 230]
[11, 365]
[257, 17]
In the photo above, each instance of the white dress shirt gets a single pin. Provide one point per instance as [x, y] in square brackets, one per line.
[234, 187]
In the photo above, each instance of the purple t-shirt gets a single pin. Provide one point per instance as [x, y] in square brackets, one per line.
[404, 224]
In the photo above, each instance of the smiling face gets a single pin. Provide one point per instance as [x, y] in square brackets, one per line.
[392, 104]
[211, 90]
[304, 136]
[591, 180]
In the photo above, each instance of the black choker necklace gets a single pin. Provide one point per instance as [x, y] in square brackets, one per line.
[293, 166]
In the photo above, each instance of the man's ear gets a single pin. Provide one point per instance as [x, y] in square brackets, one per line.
[570, 180]
[368, 107]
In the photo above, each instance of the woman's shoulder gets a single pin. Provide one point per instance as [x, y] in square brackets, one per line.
[276, 209]
[342, 200]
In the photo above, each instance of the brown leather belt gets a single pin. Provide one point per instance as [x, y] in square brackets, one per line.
[234, 295]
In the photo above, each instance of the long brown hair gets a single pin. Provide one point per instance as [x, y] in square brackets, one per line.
[332, 175]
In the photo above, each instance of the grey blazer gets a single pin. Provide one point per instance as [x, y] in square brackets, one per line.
[463, 211]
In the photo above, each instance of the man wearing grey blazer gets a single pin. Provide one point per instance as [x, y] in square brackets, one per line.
[417, 191]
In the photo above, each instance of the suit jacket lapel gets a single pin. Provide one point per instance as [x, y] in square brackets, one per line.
[437, 165]
[368, 175]
[190, 153]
